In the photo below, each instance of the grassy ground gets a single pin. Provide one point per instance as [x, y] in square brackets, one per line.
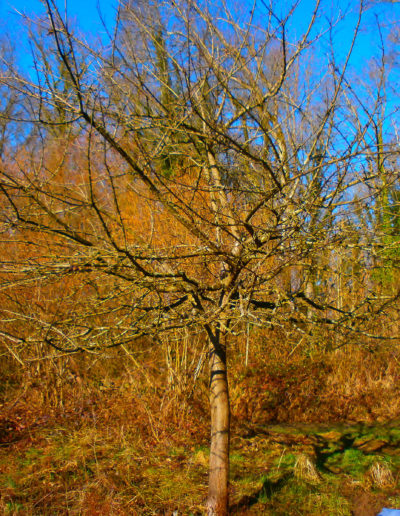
[64, 464]
[85, 439]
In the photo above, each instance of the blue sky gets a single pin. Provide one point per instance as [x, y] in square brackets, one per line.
[84, 13]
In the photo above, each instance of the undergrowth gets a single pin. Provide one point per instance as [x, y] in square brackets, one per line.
[113, 437]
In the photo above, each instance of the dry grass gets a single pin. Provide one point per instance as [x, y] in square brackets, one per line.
[306, 469]
[352, 383]
[104, 439]
[381, 475]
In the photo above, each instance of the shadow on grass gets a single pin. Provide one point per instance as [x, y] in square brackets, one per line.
[267, 490]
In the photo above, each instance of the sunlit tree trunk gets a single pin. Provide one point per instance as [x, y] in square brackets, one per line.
[217, 502]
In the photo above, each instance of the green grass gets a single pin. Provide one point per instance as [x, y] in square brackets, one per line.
[14, 508]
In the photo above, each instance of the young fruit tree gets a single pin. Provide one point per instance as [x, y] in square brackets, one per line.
[189, 171]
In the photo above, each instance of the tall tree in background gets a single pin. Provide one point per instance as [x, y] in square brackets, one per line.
[209, 174]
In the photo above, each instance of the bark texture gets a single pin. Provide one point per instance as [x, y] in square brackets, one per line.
[217, 502]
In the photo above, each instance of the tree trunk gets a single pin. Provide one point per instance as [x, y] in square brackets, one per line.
[217, 502]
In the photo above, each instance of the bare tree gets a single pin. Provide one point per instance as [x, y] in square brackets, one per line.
[202, 173]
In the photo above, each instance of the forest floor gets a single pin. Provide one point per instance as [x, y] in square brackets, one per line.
[96, 461]
[311, 435]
